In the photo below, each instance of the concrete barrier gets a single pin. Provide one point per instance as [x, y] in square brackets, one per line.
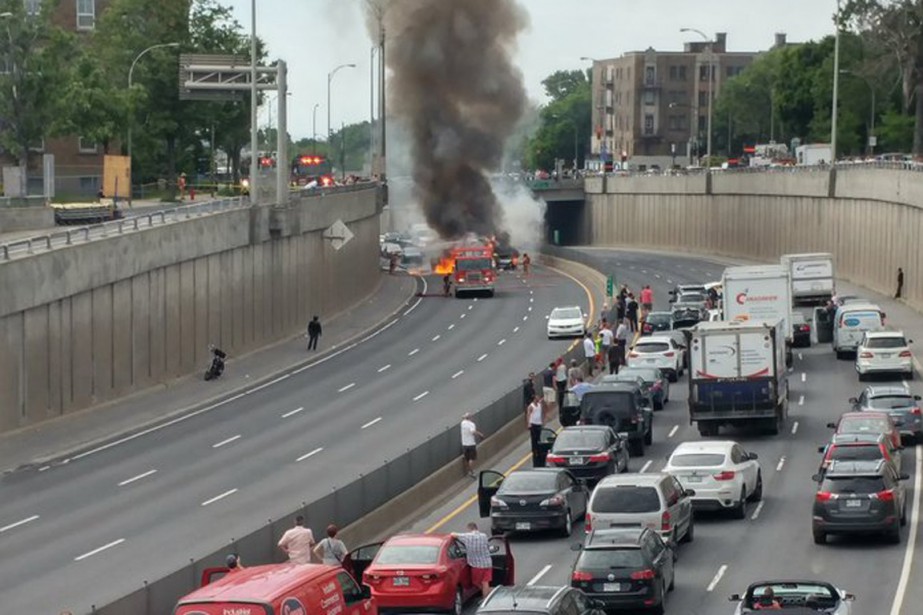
[14, 219]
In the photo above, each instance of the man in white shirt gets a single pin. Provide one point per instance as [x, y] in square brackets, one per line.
[560, 380]
[623, 337]
[297, 542]
[469, 441]
[535, 421]
[589, 353]
[607, 337]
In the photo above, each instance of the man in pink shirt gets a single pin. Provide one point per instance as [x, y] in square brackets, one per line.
[647, 301]
[297, 542]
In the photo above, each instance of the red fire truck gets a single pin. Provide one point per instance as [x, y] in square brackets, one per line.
[474, 270]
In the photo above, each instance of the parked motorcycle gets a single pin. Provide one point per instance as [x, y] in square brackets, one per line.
[216, 368]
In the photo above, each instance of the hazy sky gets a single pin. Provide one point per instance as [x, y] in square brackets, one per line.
[314, 36]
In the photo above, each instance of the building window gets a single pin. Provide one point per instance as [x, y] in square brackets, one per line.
[33, 7]
[703, 122]
[86, 14]
[648, 124]
[649, 97]
[703, 99]
[649, 75]
[682, 73]
[85, 146]
[678, 123]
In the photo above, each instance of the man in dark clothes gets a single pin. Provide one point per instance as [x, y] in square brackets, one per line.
[900, 283]
[620, 308]
[528, 389]
[314, 332]
[614, 356]
[631, 312]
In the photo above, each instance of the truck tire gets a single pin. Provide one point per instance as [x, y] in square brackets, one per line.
[773, 426]
[708, 429]
[636, 448]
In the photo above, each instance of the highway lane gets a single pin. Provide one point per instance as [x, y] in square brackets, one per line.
[775, 538]
[190, 487]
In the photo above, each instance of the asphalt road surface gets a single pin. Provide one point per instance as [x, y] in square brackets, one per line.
[774, 541]
[93, 529]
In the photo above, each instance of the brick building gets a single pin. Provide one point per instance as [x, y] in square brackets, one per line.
[652, 106]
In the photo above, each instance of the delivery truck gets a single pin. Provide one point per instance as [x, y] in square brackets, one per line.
[812, 276]
[761, 292]
[737, 375]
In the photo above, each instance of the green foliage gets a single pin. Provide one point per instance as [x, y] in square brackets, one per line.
[561, 84]
[560, 121]
[895, 133]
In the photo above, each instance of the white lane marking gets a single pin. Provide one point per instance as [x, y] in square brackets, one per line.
[436, 338]
[673, 431]
[413, 307]
[219, 497]
[370, 423]
[911, 538]
[646, 465]
[525, 318]
[423, 294]
[470, 306]
[759, 509]
[114, 543]
[413, 352]
[781, 464]
[380, 331]
[293, 412]
[463, 315]
[669, 281]
[501, 342]
[343, 389]
[457, 374]
[644, 271]
[804, 377]
[657, 275]
[717, 579]
[133, 479]
[531, 299]
[384, 368]
[421, 396]
[475, 299]
[452, 326]
[43, 468]
[801, 400]
[482, 357]
[228, 441]
[794, 428]
[311, 454]
[531, 292]
[516, 329]
[539, 575]
[530, 308]
[800, 356]
[11, 526]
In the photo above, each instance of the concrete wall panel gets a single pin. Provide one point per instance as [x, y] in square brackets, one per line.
[35, 348]
[101, 299]
[55, 357]
[141, 333]
[11, 331]
[123, 326]
[82, 331]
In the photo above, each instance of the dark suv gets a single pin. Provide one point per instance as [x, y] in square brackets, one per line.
[538, 600]
[859, 497]
[630, 568]
[624, 407]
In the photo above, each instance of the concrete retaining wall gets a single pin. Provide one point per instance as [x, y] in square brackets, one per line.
[89, 323]
[872, 223]
[25, 218]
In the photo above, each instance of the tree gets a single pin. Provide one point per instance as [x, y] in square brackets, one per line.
[561, 84]
[568, 113]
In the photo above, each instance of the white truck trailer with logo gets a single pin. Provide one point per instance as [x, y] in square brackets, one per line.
[760, 292]
[737, 375]
[812, 276]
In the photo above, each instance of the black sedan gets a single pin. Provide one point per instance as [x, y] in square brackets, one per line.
[801, 331]
[657, 321]
[533, 499]
[590, 452]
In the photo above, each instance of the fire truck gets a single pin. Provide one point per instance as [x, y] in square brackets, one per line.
[474, 270]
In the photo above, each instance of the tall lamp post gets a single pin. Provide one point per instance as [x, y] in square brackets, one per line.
[871, 86]
[836, 84]
[131, 119]
[711, 80]
[254, 129]
[330, 77]
[677, 105]
[314, 129]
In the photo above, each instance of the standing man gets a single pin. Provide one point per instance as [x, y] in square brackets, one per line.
[535, 420]
[631, 312]
[560, 380]
[314, 332]
[528, 389]
[613, 356]
[607, 337]
[469, 442]
[622, 338]
[589, 353]
[526, 263]
[647, 301]
[297, 542]
[900, 283]
[574, 373]
[477, 552]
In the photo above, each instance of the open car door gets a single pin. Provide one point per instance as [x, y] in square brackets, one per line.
[210, 575]
[489, 482]
[362, 557]
[545, 441]
[503, 563]
[823, 325]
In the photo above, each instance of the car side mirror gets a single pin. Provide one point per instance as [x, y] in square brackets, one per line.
[917, 397]
[734, 598]
[576, 547]
[849, 597]
[820, 449]
[816, 478]
[689, 492]
[831, 425]
[905, 476]
[853, 400]
[366, 592]
[752, 456]
[909, 341]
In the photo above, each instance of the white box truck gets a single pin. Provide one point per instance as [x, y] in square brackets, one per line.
[737, 375]
[760, 292]
[812, 276]
[813, 154]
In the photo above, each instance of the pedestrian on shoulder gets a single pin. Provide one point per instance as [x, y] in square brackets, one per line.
[477, 553]
[548, 391]
[607, 337]
[589, 353]
[623, 337]
[574, 373]
[900, 283]
[297, 542]
[560, 380]
[620, 308]
[528, 389]
[314, 332]
[631, 312]
[469, 442]
[535, 421]
[331, 550]
[647, 301]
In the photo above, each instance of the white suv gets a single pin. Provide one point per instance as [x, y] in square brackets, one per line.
[660, 351]
[884, 352]
[723, 475]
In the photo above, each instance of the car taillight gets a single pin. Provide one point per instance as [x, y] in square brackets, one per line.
[648, 328]
[905, 354]
[916, 411]
[550, 458]
[670, 354]
[657, 386]
[884, 496]
[666, 521]
[600, 458]
[498, 503]
[555, 501]
[866, 355]
[636, 419]
[372, 578]
[461, 280]
[643, 575]
[588, 522]
[579, 575]
[825, 496]
[726, 475]
[806, 328]
[633, 354]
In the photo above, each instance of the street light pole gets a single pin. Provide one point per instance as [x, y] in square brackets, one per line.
[836, 85]
[330, 77]
[131, 118]
[711, 80]
[372, 108]
[254, 144]
[314, 124]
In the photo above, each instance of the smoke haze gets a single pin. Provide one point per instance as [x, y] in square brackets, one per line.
[453, 85]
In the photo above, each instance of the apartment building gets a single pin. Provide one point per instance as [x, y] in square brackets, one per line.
[651, 107]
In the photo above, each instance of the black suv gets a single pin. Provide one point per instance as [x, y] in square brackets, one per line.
[859, 497]
[539, 600]
[629, 568]
[624, 407]
[590, 452]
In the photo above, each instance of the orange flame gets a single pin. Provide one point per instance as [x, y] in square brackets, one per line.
[445, 265]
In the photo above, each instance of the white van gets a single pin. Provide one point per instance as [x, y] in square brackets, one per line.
[851, 323]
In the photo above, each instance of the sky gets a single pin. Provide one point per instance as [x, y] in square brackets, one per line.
[315, 36]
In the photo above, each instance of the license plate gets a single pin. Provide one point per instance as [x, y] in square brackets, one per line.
[853, 503]
[652, 361]
[576, 461]
[401, 581]
[525, 525]
[612, 587]
[885, 355]
[694, 479]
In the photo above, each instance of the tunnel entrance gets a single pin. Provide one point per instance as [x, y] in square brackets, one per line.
[565, 223]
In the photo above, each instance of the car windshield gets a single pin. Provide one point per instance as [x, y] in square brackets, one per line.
[863, 452]
[853, 484]
[858, 425]
[527, 482]
[647, 375]
[472, 264]
[885, 342]
[566, 314]
[407, 554]
[658, 319]
[629, 499]
[781, 590]
[891, 402]
[610, 558]
[580, 439]
[696, 460]
[618, 403]
[652, 347]
[691, 298]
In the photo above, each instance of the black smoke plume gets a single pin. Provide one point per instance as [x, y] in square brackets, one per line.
[453, 84]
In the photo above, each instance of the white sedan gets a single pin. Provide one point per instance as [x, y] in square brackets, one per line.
[723, 475]
[882, 352]
[660, 351]
[566, 322]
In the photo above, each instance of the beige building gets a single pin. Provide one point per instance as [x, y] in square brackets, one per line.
[651, 107]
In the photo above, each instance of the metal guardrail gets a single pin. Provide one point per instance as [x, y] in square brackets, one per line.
[843, 165]
[134, 222]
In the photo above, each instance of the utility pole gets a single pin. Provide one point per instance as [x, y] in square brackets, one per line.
[282, 162]
[836, 85]
[382, 111]
[254, 136]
